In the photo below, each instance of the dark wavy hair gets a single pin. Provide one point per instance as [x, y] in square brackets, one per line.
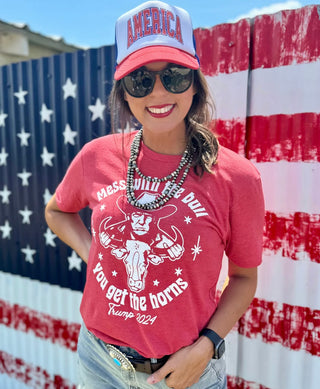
[200, 138]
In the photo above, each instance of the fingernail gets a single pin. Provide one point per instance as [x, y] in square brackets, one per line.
[151, 380]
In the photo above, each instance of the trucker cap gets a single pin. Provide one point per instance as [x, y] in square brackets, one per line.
[154, 31]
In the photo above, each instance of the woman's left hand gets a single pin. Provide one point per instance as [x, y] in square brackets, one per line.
[185, 367]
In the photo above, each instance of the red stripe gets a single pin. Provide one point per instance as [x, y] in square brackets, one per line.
[292, 138]
[224, 48]
[41, 325]
[297, 328]
[292, 326]
[33, 376]
[286, 37]
[231, 133]
[293, 234]
[240, 383]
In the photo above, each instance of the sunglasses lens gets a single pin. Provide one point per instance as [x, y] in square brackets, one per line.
[139, 83]
[177, 80]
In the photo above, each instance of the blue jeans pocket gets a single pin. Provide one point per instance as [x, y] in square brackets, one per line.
[213, 377]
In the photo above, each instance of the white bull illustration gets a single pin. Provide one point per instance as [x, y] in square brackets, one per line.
[138, 240]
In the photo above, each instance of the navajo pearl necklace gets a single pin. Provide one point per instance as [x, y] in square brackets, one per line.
[172, 188]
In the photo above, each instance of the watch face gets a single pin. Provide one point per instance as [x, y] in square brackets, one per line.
[219, 350]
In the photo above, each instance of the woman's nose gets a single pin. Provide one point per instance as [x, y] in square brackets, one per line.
[158, 87]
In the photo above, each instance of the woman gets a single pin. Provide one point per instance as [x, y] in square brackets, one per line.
[167, 203]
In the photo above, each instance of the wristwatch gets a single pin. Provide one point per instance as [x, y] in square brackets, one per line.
[218, 342]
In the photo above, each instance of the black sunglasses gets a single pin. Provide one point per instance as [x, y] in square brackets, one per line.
[175, 79]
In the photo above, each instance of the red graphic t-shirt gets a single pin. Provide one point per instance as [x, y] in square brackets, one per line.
[152, 275]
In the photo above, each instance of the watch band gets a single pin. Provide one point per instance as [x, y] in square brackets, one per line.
[218, 342]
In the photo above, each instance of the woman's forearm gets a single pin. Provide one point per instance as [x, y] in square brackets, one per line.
[235, 299]
[70, 228]
[187, 364]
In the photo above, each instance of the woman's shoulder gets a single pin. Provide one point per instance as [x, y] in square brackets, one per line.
[234, 165]
[109, 142]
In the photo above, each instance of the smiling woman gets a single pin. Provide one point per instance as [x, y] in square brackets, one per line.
[167, 202]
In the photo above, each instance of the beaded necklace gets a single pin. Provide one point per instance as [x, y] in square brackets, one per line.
[171, 189]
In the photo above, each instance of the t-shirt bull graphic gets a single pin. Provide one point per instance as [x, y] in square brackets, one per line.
[139, 240]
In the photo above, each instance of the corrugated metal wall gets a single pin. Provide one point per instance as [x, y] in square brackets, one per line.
[264, 75]
[50, 108]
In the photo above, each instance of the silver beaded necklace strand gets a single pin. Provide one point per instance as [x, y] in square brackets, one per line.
[172, 188]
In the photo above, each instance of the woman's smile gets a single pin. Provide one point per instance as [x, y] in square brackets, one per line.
[160, 111]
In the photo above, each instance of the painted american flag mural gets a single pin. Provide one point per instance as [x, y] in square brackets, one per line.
[264, 75]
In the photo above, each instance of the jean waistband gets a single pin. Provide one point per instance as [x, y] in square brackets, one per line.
[135, 360]
[133, 355]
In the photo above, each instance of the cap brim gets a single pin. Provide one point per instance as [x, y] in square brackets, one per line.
[155, 53]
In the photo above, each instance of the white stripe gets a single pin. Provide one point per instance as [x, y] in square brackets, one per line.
[54, 359]
[58, 302]
[291, 186]
[271, 364]
[291, 282]
[7, 382]
[280, 90]
[229, 92]
[285, 89]
[284, 280]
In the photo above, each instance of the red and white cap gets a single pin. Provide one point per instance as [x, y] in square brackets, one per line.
[154, 31]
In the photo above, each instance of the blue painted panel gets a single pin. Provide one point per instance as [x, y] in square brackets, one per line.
[41, 102]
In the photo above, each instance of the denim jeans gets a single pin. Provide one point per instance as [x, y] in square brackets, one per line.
[97, 369]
